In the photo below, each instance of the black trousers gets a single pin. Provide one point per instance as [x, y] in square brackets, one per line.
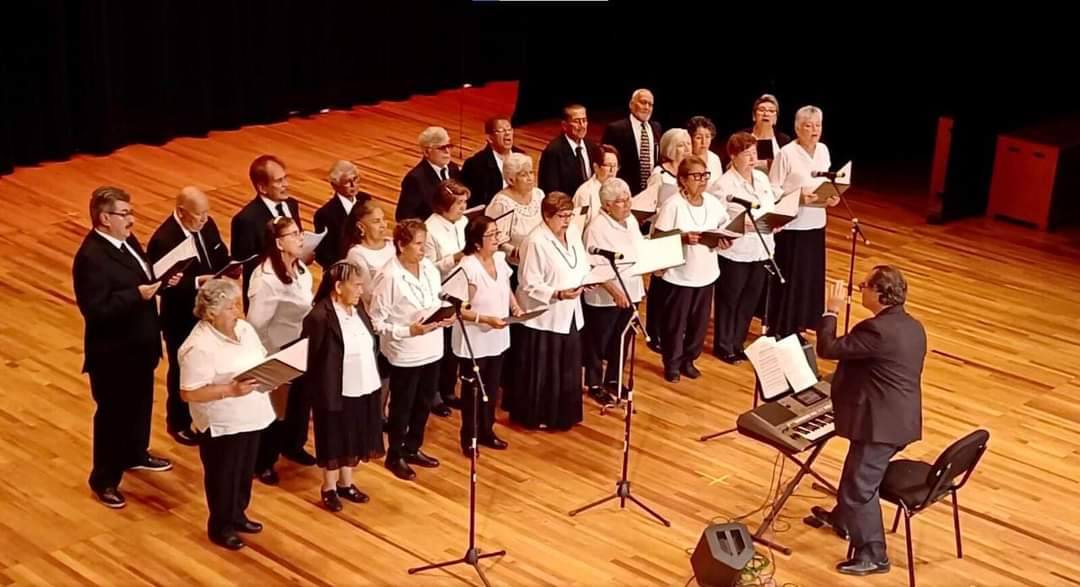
[686, 320]
[655, 306]
[858, 503]
[412, 390]
[288, 435]
[603, 333]
[735, 299]
[491, 374]
[448, 372]
[124, 396]
[177, 413]
[228, 466]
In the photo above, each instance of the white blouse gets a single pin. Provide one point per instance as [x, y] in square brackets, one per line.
[518, 225]
[715, 167]
[400, 300]
[663, 177]
[701, 267]
[370, 262]
[588, 195]
[791, 171]
[491, 298]
[276, 309]
[606, 233]
[546, 267]
[444, 240]
[208, 357]
[359, 371]
[747, 248]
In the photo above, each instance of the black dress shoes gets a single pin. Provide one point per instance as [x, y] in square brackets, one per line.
[185, 437]
[441, 410]
[690, 370]
[730, 358]
[248, 527]
[268, 477]
[330, 501]
[420, 459]
[494, 442]
[111, 497]
[825, 518]
[601, 396]
[671, 376]
[400, 469]
[229, 541]
[352, 494]
[300, 457]
[860, 567]
[152, 463]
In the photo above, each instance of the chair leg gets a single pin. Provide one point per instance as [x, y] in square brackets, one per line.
[956, 525]
[896, 521]
[910, 554]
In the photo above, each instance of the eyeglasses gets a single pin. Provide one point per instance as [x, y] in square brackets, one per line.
[766, 110]
[699, 176]
[129, 213]
[495, 234]
[445, 147]
[295, 233]
[349, 180]
[611, 166]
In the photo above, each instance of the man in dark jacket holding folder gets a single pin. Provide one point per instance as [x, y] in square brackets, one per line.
[191, 219]
[877, 397]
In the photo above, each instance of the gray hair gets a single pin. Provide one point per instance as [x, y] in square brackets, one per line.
[640, 91]
[433, 136]
[104, 199]
[670, 140]
[515, 164]
[340, 168]
[806, 113]
[613, 188]
[214, 295]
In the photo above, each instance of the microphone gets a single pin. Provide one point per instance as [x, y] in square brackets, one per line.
[454, 301]
[743, 202]
[609, 255]
[828, 174]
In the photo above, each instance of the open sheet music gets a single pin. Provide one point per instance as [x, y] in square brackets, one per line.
[176, 260]
[524, 317]
[280, 367]
[311, 240]
[780, 365]
[661, 251]
[235, 268]
[832, 189]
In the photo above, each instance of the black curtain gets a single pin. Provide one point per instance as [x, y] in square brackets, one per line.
[89, 76]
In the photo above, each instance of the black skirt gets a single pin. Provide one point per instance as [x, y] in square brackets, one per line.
[547, 392]
[343, 439]
[798, 304]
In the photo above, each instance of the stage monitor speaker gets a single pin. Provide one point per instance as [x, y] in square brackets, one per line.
[722, 552]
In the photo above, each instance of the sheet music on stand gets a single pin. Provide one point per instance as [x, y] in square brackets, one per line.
[780, 366]
[827, 190]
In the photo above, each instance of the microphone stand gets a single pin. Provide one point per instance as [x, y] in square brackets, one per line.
[856, 234]
[472, 554]
[622, 486]
[774, 271]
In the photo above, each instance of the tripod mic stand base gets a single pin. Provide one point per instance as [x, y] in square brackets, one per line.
[472, 557]
[622, 493]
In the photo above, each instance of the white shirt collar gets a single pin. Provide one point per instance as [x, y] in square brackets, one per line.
[272, 206]
[438, 170]
[346, 202]
[615, 223]
[573, 145]
[183, 228]
[112, 239]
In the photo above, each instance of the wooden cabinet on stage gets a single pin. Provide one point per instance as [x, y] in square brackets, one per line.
[1036, 177]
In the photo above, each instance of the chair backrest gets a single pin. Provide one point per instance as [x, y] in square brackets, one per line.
[957, 461]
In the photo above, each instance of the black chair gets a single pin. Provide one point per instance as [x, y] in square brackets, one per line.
[914, 486]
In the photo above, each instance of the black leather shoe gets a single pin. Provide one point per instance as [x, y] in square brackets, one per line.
[825, 517]
[494, 442]
[671, 376]
[601, 396]
[442, 410]
[860, 567]
[352, 494]
[300, 457]
[420, 459]
[111, 497]
[268, 477]
[185, 437]
[613, 388]
[152, 463]
[690, 370]
[731, 358]
[229, 541]
[400, 469]
[248, 527]
[330, 501]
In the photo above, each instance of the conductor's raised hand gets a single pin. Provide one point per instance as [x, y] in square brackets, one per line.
[836, 297]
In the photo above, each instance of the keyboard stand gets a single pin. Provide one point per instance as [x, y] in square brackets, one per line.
[778, 505]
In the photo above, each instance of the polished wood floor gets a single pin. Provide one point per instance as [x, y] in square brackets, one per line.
[1001, 305]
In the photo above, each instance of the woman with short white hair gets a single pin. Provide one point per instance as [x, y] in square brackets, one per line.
[522, 199]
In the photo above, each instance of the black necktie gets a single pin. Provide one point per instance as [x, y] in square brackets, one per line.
[280, 209]
[444, 175]
[581, 163]
[203, 257]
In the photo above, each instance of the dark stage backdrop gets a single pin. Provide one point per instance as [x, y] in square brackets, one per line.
[90, 76]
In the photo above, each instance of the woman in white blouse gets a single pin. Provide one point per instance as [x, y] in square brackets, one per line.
[279, 297]
[588, 194]
[342, 380]
[547, 393]
[226, 414]
[688, 287]
[366, 243]
[743, 263]
[800, 246]
[675, 146]
[607, 308]
[522, 199]
[702, 132]
[406, 293]
[488, 274]
[765, 114]
[443, 247]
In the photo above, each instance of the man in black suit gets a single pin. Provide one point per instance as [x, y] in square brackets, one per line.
[191, 219]
[482, 173]
[345, 179]
[637, 138]
[418, 186]
[272, 199]
[877, 397]
[567, 160]
[114, 289]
